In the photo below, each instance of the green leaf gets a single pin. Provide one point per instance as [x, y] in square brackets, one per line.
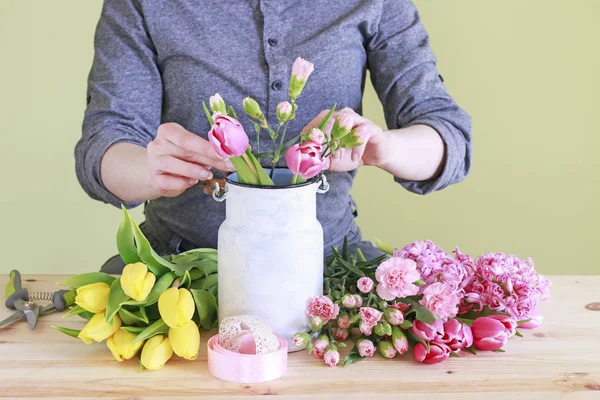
[139, 358]
[231, 112]
[153, 261]
[352, 357]
[454, 354]
[134, 329]
[383, 246]
[116, 297]
[133, 318]
[350, 267]
[360, 255]
[206, 304]
[70, 332]
[209, 117]
[472, 349]
[186, 281]
[523, 321]
[205, 283]
[406, 324]
[483, 313]
[518, 334]
[163, 283]
[75, 310]
[80, 280]
[310, 347]
[345, 248]
[244, 172]
[415, 339]
[207, 266]
[421, 313]
[466, 321]
[263, 177]
[373, 263]
[290, 143]
[499, 351]
[157, 328]
[86, 315]
[125, 240]
[322, 124]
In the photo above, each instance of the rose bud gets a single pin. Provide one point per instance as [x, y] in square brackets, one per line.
[365, 284]
[301, 339]
[332, 356]
[394, 316]
[284, 111]
[386, 349]
[98, 330]
[137, 281]
[93, 297]
[399, 340]
[228, 137]
[316, 323]
[349, 301]
[341, 334]
[252, 108]
[382, 329]
[343, 321]
[156, 352]
[489, 333]
[366, 348]
[176, 307]
[217, 104]
[121, 346]
[438, 352]
[359, 301]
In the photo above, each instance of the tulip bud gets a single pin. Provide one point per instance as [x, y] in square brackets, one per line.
[386, 349]
[217, 104]
[121, 346]
[399, 340]
[284, 111]
[349, 301]
[98, 330]
[332, 356]
[137, 281]
[343, 321]
[359, 301]
[382, 329]
[316, 323]
[93, 297]
[185, 341]
[394, 316]
[176, 307]
[156, 352]
[252, 108]
[366, 348]
[301, 70]
[341, 334]
[228, 137]
[301, 339]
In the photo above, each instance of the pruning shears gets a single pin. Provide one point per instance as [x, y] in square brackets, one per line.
[19, 299]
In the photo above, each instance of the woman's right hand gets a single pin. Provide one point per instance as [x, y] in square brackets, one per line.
[178, 159]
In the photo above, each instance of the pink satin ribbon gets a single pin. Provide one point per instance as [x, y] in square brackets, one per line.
[246, 368]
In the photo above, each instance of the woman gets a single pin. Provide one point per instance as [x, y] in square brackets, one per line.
[144, 132]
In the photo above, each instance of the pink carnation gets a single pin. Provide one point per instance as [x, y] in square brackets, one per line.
[396, 278]
[323, 307]
[365, 284]
[332, 357]
[366, 348]
[370, 316]
[441, 299]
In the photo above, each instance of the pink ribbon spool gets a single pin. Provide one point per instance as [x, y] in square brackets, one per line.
[243, 367]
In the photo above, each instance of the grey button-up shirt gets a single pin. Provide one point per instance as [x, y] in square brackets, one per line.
[156, 61]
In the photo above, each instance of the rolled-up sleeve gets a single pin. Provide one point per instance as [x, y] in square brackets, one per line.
[124, 94]
[404, 74]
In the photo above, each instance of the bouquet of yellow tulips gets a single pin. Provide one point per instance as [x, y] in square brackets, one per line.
[157, 305]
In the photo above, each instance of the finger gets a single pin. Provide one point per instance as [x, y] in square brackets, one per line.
[177, 167]
[167, 148]
[186, 140]
[172, 185]
[316, 121]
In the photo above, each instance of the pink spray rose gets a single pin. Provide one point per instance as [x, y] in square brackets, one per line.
[438, 352]
[428, 332]
[370, 316]
[491, 333]
[456, 335]
[323, 307]
[320, 346]
[302, 69]
[366, 348]
[228, 137]
[305, 159]
[396, 278]
[332, 356]
[365, 284]
[441, 299]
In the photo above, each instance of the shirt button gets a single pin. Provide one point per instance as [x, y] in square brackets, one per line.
[272, 42]
[277, 85]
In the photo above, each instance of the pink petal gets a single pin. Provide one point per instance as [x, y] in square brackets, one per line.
[384, 293]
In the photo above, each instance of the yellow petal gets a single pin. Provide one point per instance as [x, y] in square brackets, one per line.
[125, 347]
[133, 279]
[93, 297]
[167, 306]
[97, 329]
[156, 352]
[185, 341]
[110, 343]
[186, 307]
[146, 286]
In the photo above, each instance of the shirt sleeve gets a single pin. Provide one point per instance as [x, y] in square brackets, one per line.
[404, 74]
[124, 94]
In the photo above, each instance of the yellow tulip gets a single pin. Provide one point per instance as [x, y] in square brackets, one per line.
[93, 297]
[185, 341]
[176, 307]
[121, 347]
[156, 352]
[97, 329]
[136, 281]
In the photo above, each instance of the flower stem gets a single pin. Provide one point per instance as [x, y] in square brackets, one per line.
[295, 179]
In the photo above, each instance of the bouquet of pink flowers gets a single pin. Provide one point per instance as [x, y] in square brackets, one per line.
[306, 154]
[424, 299]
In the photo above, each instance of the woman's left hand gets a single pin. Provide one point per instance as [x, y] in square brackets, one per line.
[374, 149]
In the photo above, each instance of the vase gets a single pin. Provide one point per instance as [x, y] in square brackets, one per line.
[270, 250]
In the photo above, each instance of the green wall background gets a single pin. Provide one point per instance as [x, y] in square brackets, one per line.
[527, 71]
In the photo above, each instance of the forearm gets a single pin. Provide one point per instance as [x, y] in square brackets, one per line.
[416, 153]
[124, 171]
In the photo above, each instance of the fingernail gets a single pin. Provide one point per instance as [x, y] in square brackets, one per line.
[229, 165]
[354, 157]
[193, 182]
[205, 175]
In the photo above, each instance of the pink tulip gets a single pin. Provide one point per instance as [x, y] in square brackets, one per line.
[428, 332]
[490, 333]
[456, 335]
[438, 352]
[534, 322]
[228, 137]
[366, 348]
[305, 159]
[302, 69]
[509, 323]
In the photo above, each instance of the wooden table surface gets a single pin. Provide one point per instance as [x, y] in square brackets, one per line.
[559, 360]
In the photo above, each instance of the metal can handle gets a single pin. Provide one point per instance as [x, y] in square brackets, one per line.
[323, 185]
[217, 195]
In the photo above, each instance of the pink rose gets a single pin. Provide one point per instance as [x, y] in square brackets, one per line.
[396, 278]
[456, 335]
[441, 300]
[343, 321]
[228, 137]
[365, 328]
[302, 69]
[332, 356]
[370, 316]
[323, 307]
[341, 334]
[365, 284]
[320, 347]
[305, 159]
[438, 352]
[491, 333]
[366, 348]
[426, 331]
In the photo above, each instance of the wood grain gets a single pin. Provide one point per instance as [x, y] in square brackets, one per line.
[559, 360]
